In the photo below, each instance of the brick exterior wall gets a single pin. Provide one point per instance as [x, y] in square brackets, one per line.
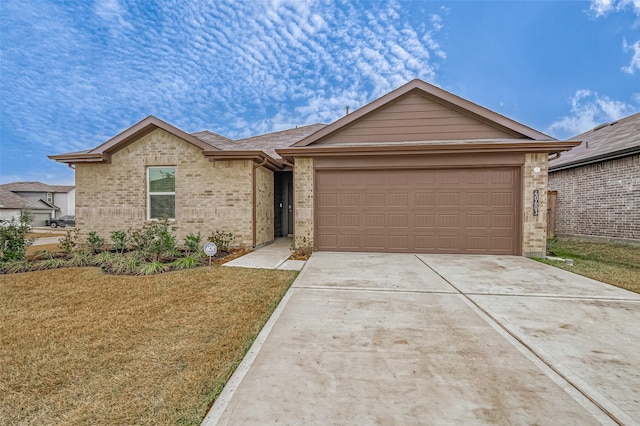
[209, 195]
[534, 228]
[600, 199]
[303, 196]
[264, 206]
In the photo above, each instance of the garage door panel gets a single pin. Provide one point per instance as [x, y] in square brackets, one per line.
[330, 241]
[425, 243]
[425, 199]
[398, 220]
[374, 220]
[429, 211]
[425, 221]
[375, 200]
[502, 221]
[502, 199]
[328, 199]
[398, 242]
[448, 221]
[477, 243]
[327, 220]
[349, 241]
[478, 221]
[351, 199]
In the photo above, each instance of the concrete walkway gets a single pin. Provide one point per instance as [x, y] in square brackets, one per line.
[272, 256]
[427, 339]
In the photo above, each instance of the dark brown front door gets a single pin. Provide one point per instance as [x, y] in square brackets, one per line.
[471, 210]
[283, 204]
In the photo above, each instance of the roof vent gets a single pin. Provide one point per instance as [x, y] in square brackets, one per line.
[600, 126]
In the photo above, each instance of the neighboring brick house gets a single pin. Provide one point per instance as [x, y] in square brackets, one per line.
[598, 183]
[417, 170]
[43, 201]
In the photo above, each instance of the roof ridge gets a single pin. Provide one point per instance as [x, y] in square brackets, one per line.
[281, 131]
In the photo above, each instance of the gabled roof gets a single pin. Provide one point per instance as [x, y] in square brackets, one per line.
[604, 142]
[103, 152]
[36, 187]
[11, 200]
[438, 95]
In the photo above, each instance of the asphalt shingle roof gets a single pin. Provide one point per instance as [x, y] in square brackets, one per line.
[602, 142]
[267, 143]
[35, 187]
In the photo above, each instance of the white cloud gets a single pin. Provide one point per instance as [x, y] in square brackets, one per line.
[235, 68]
[112, 12]
[635, 59]
[603, 7]
[588, 109]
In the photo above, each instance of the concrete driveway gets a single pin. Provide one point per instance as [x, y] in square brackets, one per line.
[440, 339]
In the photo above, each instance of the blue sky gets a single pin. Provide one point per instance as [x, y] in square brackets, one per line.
[76, 73]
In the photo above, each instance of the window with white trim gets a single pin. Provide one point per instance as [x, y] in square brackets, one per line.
[49, 197]
[161, 192]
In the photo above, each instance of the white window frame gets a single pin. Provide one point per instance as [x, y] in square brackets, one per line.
[49, 197]
[149, 193]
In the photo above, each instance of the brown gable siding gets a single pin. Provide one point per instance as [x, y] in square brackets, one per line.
[415, 117]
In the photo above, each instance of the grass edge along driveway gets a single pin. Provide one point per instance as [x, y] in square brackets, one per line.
[81, 347]
[614, 264]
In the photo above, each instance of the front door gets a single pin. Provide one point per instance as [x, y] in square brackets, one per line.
[283, 204]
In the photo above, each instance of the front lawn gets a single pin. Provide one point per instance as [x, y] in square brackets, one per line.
[78, 346]
[614, 264]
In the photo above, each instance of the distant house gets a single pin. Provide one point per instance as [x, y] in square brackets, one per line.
[598, 182]
[417, 170]
[43, 201]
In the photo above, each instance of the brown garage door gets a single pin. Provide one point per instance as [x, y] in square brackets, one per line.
[426, 211]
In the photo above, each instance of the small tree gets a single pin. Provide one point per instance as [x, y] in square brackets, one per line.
[13, 238]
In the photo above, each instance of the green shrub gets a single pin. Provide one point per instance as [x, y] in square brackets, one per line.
[156, 239]
[222, 240]
[123, 265]
[13, 239]
[95, 241]
[186, 263]
[192, 242]
[152, 268]
[17, 266]
[69, 242]
[81, 259]
[119, 240]
[51, 263]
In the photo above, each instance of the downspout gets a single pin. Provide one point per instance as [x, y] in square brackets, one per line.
[254, 212]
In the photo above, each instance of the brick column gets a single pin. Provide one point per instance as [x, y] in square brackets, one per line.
[534, 228]
[303, 196]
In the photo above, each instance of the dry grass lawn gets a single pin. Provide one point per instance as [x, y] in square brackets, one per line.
[614, 264]
[81, 347]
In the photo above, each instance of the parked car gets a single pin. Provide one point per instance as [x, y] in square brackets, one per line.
[63, 221]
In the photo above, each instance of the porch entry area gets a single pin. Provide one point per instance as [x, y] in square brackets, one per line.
[283, 204]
